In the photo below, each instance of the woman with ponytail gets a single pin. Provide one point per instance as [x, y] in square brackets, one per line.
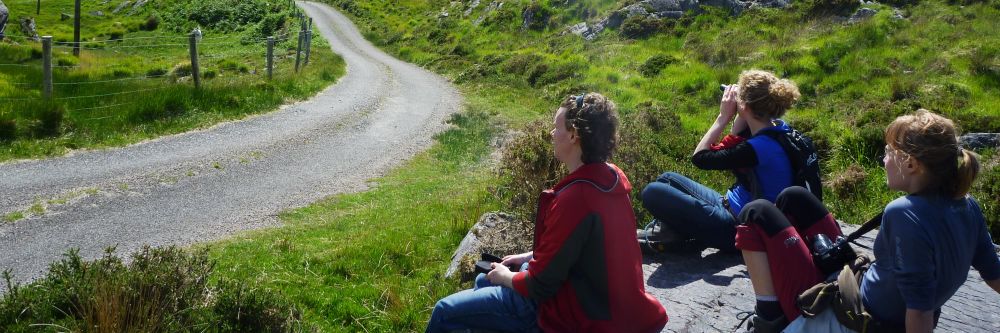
[927, 241]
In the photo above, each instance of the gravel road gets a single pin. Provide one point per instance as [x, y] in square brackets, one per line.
[235, 176]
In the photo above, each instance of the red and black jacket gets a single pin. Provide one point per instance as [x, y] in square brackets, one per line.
[586, 274]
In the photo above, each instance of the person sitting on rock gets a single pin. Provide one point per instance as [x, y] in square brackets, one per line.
[927, 240]
[685, 209]
[585, 271]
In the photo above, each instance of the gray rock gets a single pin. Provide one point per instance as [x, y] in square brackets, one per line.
[121, 6]
[471, 245]
[137, 6]
[494, 5]
[672, 14]
[579, 29]
[976, 141]
[528, 17]
[29, 30]
[4, 14]
[861, 15]
[664, 5]
[97, 13]
[614, 20]
[638, 9]
[472, 6]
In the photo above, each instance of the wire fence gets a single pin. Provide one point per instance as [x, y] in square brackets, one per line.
[252, 46]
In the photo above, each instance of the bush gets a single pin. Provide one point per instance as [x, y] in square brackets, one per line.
[640, 26]
[536, 16]
[655, 64]
[49, 117]
[156, 72]
[116, 35]
[528, 166]
[865, 145]
[987, 192]
[8, 129]
[831, 7]
[848, 182]
[209, 74]
[158, 290]
[181, 70]
[152, 23]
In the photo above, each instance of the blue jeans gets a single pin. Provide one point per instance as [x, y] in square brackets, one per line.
[486, 307]
[691, 209]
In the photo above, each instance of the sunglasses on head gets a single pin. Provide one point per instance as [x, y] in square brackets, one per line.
[579, 100]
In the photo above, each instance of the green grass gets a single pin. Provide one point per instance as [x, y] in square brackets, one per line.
[231, 55]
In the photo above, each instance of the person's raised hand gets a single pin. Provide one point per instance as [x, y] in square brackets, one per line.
[727, 108]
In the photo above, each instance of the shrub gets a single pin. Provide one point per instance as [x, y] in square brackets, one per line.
[528, 166]
[244, 309]
[838, 7]
[152, 23]
[864, 145]
[521, 63]
[181, 70]
[8, 129]
[116, 35]
[848, 182]
[537, 16]
[156, 72]
[158, 290]
[987, 191]
[655, 64]
[640, 26]
[209, 74]
[49, 117]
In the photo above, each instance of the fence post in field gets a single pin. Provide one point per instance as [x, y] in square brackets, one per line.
[47, 66]
[309, 38]
[76, 29]
[298, 50]
[270, 57]
[195, 73]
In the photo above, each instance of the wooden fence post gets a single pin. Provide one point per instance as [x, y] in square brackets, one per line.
[298, 50]
[270, 57]
[195, 73]
[76, 29]
[47, 66]
[309, 38]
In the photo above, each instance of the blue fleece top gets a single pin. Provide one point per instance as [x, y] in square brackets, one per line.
[922, 255]
[773, 169]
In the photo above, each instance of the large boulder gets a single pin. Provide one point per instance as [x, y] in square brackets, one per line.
[4, 14]
[976, 141]
[29, 30]
[497, 233]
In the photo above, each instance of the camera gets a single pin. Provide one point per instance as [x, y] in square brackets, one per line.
[722, 87]
[831, 256]
[485, 265]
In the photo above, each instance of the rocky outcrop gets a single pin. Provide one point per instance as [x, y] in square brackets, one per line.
[472, 6]
[29, 30]
[138, 6]
[976, 141]
[4, 14]
[121, 6]
[497, 233]
[494, 5]
[667, 9]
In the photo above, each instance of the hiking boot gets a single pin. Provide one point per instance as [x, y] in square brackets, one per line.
[758, 324]
[657, 237]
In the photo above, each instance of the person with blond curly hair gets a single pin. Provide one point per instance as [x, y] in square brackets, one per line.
[685, 209]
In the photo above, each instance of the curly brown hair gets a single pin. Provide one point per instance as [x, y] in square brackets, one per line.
[594, 118]
[766, 95]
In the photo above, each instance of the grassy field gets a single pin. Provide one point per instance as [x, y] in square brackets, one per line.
[133, 81]
[374, 261]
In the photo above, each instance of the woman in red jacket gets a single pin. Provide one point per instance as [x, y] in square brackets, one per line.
[584, 273]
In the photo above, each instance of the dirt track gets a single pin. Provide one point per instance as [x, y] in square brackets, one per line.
[236, 176]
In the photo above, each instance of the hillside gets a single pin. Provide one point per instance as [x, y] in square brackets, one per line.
[133, 81]
[857, 66]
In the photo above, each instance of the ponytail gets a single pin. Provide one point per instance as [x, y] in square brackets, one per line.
[968, 170]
